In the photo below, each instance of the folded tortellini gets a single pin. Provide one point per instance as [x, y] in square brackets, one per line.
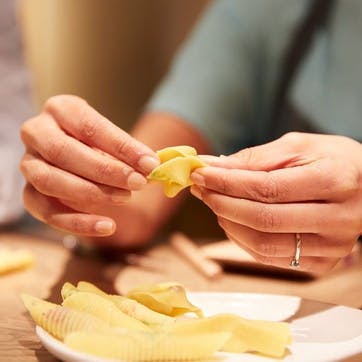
[177, 163]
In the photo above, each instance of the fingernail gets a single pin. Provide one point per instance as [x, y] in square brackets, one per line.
[136, 181]
[197, 179]
[196, 192]
[148, 163]
[119, 196]
[104, 227]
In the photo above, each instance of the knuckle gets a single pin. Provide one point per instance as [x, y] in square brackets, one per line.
[223, 183]
[293, 138]
[79, 225]
[268, 190]
[123, 148]
[214, 203]
[92, 194]
[266, 219]
[58, 102]
[87, 125]
[264, 248]
[24, 163]
[40, 180]
[27, 129]
[348, 182]
[246, 156]
[103, 171]
[347, 218]
[88, 129]
[55, 150]
[221, 222]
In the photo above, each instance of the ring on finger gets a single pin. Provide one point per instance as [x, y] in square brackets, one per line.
[298, 246]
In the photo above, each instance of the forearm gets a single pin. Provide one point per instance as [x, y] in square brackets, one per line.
[149, 209]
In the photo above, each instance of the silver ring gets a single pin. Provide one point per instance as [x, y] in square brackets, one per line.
[298, 246]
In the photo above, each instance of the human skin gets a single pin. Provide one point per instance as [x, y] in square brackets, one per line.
[77, 166]
[309, 184]
[88, 177]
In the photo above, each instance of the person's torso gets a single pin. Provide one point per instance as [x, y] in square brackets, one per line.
[327, 89]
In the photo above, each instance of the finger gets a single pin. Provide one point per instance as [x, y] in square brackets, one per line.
[310, 182]
[310, 264]
[76, 117]
[58, 183]
[283, 245]
[81, 207]
[44, 136]
[53, 213]
[277, 218]
[286, 151]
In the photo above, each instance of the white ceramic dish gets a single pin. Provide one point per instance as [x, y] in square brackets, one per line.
[321, 332]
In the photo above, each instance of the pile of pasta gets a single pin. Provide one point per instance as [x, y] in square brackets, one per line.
[151, 323]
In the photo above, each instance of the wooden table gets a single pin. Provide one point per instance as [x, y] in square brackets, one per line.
[56, 264]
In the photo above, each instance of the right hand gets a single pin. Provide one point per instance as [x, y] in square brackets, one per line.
[76, 162]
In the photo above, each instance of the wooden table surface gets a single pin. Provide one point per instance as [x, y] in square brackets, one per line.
[56, 264]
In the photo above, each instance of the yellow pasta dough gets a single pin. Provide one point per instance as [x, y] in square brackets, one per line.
[177, 163]
[167, 298]
[103, 309]
[126, 305]
[148, 347]
[59, 321]
[11, 260]
[265, 337]
[98, 323]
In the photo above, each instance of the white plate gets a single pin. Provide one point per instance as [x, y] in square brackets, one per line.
[321, 332]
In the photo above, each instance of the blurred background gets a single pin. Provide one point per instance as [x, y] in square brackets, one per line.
[112, 53]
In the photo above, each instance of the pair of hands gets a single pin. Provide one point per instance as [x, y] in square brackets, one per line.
[78, 165]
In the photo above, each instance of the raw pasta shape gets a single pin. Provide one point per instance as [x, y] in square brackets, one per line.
[59, 321]
[177, 163]
[148, 347]
[103, 309]
[126, 305]
[11, 260]
[266, 337]
[167, 298]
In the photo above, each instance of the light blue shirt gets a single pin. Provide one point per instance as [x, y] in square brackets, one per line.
[223, 79]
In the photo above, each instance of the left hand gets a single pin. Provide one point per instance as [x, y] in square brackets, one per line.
[300, 183]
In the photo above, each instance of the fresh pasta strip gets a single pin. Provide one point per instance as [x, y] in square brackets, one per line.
[91, 321]
[148, 347]
[59, 321]
[89, 334]
[129, 306]
[177, 163]
[167, 298]
[103, 309]
[11, 260]
[266, 337]
[126, 305]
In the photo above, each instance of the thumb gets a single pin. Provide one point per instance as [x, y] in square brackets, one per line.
[281, 153]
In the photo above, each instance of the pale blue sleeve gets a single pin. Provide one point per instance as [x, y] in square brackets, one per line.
[212, 83]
